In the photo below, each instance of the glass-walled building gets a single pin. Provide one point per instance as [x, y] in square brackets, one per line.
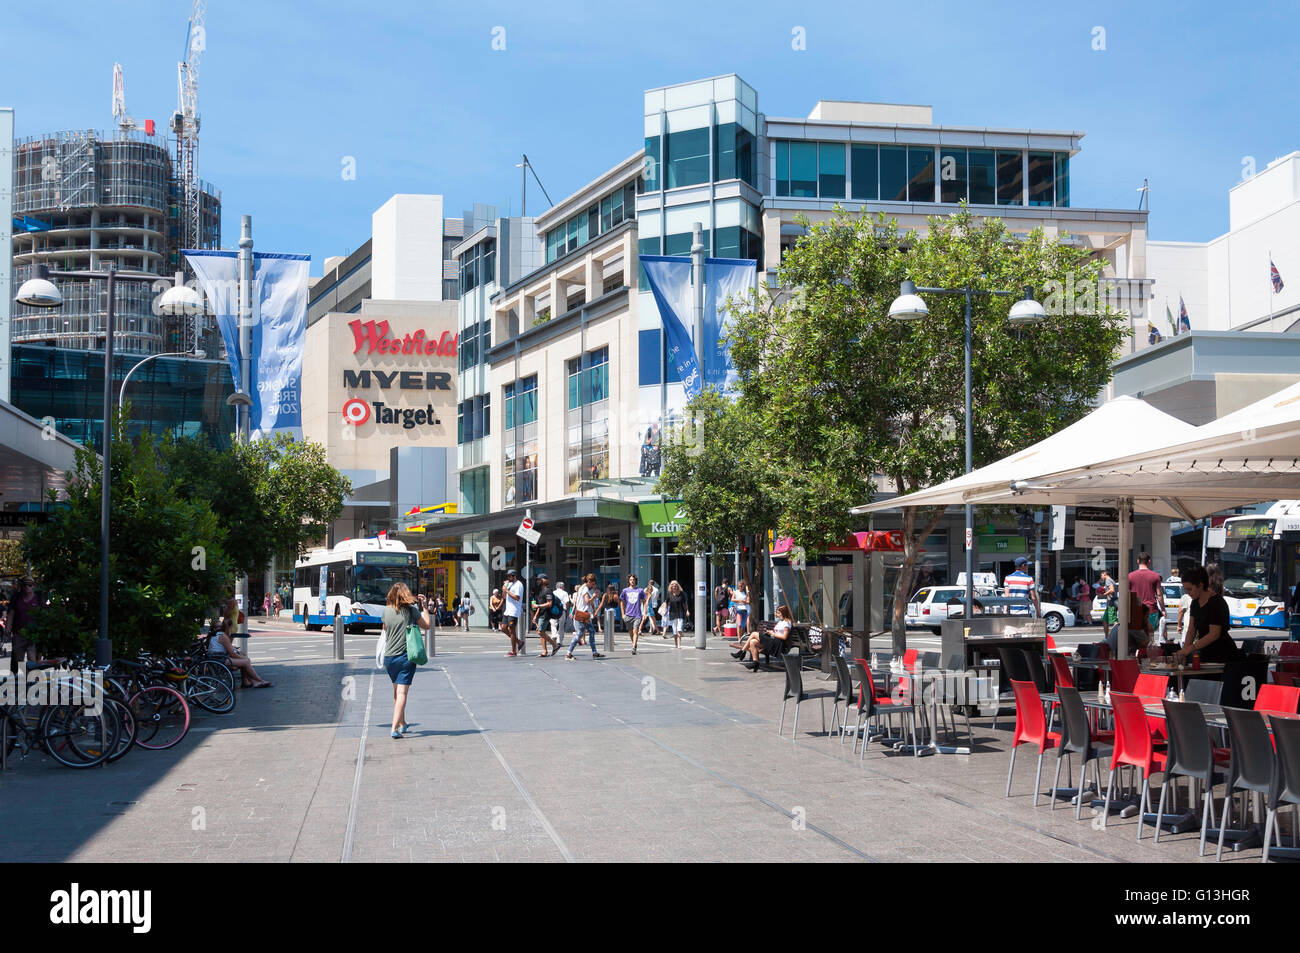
[66, 388]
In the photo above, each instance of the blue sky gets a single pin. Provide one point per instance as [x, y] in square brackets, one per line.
[415, 93]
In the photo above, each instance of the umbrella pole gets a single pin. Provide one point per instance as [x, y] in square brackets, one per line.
[1125, 542]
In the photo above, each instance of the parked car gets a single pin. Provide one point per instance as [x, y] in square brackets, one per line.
[1173, 595]
[928, 607]
[1054, 614]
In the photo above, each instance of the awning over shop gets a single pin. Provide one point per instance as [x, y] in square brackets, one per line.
[869, 541]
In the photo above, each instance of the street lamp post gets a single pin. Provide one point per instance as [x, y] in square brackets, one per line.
[910, 306]
[42, 292]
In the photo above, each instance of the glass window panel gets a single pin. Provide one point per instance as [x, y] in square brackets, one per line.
[1010, 178]
[724, 151]
[680, 244]
[893, 173]
[952, 175]
[783, 168]
[1042, 175]
[830, 170]
[920, 173]
[1063, 180]
[981, 169]
[864, 172]
[651, 164]
[728, 243]
[593, 222]
[803, 169]
[649, 358]
[746, 145]
[688, 157]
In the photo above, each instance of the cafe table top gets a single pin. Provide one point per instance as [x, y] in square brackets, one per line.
[1214, 716]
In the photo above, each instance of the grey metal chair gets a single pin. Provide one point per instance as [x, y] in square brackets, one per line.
[1286, 784]
[1253, 763]
[843, 693]
[1077, 738]
[1206, 691]
[794, 690]
[1191, 755]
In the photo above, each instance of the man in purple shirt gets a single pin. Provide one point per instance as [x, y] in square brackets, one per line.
[630, 601]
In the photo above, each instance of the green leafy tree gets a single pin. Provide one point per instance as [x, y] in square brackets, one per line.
[167, 560]
[847, 395]
[722, 473]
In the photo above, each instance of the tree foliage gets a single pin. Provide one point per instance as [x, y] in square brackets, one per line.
[836, 392]
[167, 562]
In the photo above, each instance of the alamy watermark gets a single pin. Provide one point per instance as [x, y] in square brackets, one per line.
[47, 686]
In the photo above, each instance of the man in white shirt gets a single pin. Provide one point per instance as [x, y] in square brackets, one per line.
[514, 610]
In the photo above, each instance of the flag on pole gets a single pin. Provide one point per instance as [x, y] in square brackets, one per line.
[1275, 275]
[1184, 323]
[1153, 334]
[669, 277]
[1173, 325]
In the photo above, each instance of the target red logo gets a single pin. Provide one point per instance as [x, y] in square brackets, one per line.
[355, 411]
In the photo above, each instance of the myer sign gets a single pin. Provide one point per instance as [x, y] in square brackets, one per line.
[662, 519]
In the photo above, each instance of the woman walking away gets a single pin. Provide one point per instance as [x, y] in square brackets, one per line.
[679, 612]
[400, 612]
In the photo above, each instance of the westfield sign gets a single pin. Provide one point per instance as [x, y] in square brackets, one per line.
[375, 337]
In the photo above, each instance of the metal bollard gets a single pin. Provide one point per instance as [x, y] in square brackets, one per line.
[338, 638]
[609, 629]
[431, 637]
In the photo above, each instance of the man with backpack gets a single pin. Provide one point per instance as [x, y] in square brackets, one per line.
[546, 614]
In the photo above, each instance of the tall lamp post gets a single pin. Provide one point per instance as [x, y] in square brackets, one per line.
[910, 306]
[41, 292]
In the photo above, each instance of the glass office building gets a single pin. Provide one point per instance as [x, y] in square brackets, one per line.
[66, 387]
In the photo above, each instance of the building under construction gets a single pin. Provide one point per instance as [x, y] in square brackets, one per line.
[87, 200]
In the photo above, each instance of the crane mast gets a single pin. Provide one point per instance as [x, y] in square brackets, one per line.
[185, 126]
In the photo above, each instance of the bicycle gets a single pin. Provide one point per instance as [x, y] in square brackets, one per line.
[161, 713]
[72, 734]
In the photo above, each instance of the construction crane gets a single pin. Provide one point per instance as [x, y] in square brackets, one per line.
[185, 126]
[124, 122]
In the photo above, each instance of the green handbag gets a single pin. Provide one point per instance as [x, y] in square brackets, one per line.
[415, 645]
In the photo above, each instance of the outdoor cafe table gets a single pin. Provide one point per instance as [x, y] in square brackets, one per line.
[1184, 672]
[917, 680]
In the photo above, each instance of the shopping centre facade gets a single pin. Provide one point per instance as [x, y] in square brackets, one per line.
[562, 391]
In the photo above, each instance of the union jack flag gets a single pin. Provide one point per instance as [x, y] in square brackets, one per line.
[1275, 275]
[1184, 323]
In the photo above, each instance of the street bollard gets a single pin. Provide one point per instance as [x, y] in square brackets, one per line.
[609, 630]
[431, 637]
[338, 638]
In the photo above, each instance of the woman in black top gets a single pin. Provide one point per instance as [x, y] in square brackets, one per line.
[1208, 633]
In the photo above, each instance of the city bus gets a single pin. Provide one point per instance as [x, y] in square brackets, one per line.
[1261, 565]
[351, 580]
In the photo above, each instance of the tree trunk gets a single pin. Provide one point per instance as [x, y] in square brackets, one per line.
[912, 541]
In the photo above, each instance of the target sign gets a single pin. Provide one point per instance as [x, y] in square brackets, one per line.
[356, 411]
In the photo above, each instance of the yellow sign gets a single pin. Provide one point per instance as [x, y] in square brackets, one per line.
[428, 558]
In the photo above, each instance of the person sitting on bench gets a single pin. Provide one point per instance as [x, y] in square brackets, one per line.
[775, 643]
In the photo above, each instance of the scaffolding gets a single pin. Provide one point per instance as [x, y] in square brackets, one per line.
[87, 200]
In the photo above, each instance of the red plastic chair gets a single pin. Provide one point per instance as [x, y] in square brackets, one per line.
[1133, 746]
[1031, 728]
[1051, 643]
[1123, 674]
[1290, 652]
[1061, 668]
[1282, 699]
[1152, 688]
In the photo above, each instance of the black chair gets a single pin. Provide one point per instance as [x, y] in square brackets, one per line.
[1014, 667]
[1037, 673]
[870, 709]
[1191, 755]
[1286, 786]
[1077, 738]
[1087, 679]
[1253, 765]
[1241, 683]
[843, 693]
[794, 690]
[1206, 691]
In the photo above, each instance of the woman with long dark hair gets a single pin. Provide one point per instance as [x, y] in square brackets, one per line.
[399, 612]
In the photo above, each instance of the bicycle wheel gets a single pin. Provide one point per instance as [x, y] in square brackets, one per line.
[217, 697]
[77, 738]
[214, 668]
[162, 717]
[126, 734]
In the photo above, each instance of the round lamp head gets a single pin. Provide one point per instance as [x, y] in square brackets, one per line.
[181, 300]
[239, 399]
[40, 293]
[1027, 311]
[908, 306]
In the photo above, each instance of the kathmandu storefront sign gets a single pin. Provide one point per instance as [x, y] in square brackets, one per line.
[662, 519]
[377, 339]
[585, 542]
[357, 412]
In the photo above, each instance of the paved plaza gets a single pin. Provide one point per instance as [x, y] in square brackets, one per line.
[665, 756]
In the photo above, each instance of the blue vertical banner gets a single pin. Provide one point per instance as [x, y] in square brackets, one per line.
[724, 278]
[670, 283]
[279, 326]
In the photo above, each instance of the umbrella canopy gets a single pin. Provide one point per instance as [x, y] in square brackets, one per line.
[1122, 427]
[1248, 456]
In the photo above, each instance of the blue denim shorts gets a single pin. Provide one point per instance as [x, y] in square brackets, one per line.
[400, 669]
